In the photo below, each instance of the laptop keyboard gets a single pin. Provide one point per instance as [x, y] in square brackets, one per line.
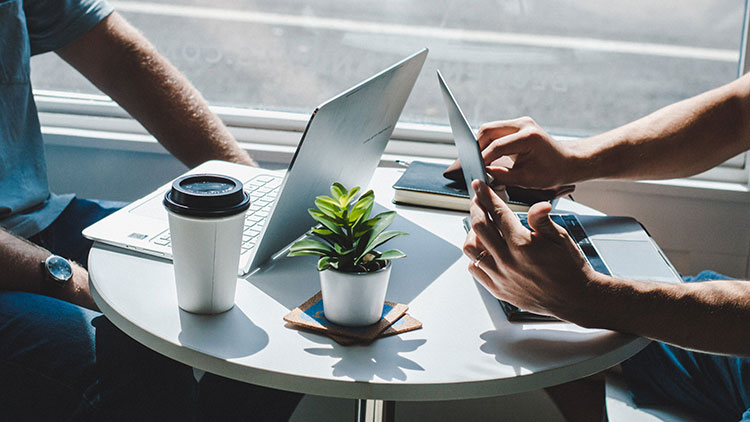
[574, 229]
[262, 190]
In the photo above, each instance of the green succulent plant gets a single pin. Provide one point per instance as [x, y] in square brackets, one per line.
[347, 237]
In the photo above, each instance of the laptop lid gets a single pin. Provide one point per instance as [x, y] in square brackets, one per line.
[343, 142]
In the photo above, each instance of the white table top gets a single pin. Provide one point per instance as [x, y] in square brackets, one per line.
[466, 349]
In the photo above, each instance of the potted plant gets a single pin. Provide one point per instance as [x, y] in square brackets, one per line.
[353, 275]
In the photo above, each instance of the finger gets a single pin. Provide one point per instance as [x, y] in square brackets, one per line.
[514, 143]
[501, 192]
[482, 225]
[454, 171]
[487, 262]
[488, 132]
[483, 278]
[485, 231]
[478, 253]
[505, 176]
[503, 217]
[480, 275]
[541, 223]
[472, 246]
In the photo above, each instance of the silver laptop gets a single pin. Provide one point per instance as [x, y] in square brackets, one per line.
[343, 142]
[617, 246]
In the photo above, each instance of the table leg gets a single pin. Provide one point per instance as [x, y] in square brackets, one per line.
[375, 411]
[389, 411]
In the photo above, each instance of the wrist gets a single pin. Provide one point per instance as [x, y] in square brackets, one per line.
[592, 303]
[75, 291]
[57, 271]
[79, 291]
[583, 162]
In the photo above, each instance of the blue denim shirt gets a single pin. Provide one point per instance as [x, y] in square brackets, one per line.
[29, 27]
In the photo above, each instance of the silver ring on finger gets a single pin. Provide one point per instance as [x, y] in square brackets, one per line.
[481, 255]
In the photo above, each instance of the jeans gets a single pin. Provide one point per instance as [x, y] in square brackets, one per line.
[59, 361]
[715, 386]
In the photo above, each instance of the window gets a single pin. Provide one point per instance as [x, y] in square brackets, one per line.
[577, 66]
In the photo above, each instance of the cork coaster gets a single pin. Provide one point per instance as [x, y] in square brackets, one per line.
[310, 316]
[404, 324]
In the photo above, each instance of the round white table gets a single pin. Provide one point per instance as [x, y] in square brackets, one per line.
[466, 348]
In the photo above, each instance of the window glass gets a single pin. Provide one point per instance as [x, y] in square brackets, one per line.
[576, 66]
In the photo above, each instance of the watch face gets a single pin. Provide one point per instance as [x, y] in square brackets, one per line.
[59, 268]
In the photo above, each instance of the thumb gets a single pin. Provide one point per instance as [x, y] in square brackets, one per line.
[540, 222]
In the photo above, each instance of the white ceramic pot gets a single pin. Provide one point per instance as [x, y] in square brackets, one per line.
[354, 299]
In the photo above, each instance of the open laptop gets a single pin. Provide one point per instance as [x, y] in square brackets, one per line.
[617, 246]
[343, 142]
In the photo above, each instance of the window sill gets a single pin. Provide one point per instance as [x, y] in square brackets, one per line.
[272, 136]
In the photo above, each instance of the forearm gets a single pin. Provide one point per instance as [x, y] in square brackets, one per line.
[123, 64]
[710, 316]
[679, 140]
[22, 260]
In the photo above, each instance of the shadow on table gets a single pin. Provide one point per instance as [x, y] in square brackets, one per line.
[365, 363]
[208, 333]
[538, 348]
[539, 344]
[291, 281]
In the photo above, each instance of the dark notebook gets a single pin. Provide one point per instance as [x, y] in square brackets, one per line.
[423, 184]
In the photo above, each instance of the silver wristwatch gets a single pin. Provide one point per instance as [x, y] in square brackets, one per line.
[57, 270]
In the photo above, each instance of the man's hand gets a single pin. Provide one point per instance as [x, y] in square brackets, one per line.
[520, 153]
[21, 262]
[540, 271]
[543, 272]
[539, 160]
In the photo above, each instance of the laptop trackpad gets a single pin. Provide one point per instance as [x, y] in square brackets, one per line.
[635, 260]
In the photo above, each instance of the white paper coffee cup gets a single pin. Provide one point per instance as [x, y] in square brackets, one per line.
[206, 219]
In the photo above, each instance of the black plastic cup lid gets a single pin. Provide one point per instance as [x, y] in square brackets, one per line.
[206, 195]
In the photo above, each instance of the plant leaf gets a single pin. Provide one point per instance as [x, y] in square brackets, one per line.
[381, 222]
[391, 254]
[332, 212]
[321, 231]
[362, 208]
[323, 219]
[303, 252]
[352, 193]
[309, 246]
[369, 195]
[359, 215]
[366, 231]
[327, 199]
[380, 239]
[327, 202]
[333, 238]
[342, 250]
[337, 191]
[324, 262]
